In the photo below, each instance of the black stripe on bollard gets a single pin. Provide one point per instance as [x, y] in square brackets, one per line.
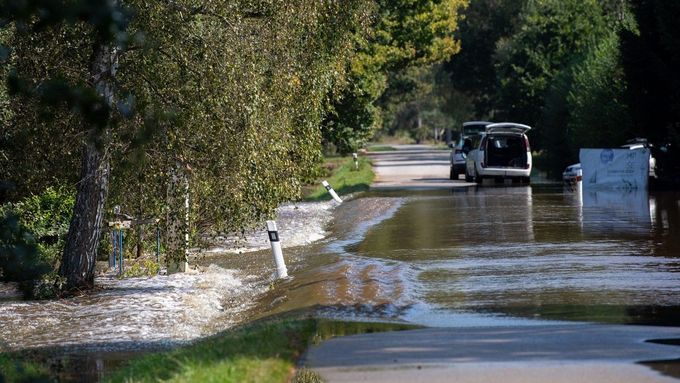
[273, 236]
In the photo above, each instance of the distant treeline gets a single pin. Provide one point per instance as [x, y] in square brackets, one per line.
[584, 73]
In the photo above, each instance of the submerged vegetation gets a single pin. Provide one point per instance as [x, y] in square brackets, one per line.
[265, 351]
[260, 352]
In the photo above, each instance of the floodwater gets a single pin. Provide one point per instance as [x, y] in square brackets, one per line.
[81, 338]
[475, 256]
[496, 255]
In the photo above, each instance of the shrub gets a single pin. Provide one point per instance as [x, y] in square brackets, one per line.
[20, 261]
[141, 268]
[305, 375]
[32, 237]
[47, 217]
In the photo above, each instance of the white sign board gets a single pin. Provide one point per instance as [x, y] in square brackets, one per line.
[615, 169]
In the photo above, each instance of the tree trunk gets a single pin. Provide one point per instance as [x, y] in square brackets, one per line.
[177, 220]
[140, 241]
[80, 253]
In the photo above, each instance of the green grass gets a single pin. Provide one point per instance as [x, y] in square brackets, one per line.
[13, 370]
[260, 352]
[380, 148]
[263, 351]
[343, 177]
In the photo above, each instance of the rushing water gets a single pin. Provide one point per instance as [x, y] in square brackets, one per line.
[460, 257]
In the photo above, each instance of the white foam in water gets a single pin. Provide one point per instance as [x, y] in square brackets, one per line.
[299, 224]
[158, 310]
[163, 310]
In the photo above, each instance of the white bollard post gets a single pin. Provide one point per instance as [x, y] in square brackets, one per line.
[356, 161]
[330, 190]
[281, 271]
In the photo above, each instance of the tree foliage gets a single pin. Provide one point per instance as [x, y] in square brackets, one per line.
[244, 89]
[484, 25]
[583, 73]
[651, 60]
[553, 34]
[229, 94]
[406, 34]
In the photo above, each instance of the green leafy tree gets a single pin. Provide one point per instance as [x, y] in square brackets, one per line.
[222, 101]
[585, 106]
[406, 34]
[91, 96]
[585, 102]
[484, 25]
[651, 59]
[599, 113]
[552, 35]
[421, 104]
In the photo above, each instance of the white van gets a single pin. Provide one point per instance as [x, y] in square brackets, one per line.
[501, 151]
[470, 128]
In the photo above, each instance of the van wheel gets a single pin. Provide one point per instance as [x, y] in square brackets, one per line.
[452, 174]
[468, 178]
[478, 178]
[526, 180]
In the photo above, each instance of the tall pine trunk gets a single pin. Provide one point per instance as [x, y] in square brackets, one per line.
[80, 253]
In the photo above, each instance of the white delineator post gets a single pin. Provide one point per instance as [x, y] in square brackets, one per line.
[330, 190]
[281, 271]
[356, 161]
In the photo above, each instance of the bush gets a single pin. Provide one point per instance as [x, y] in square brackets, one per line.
[20, 261]
[47, 217]
[32, 237]
[305, 375]
[141, 268]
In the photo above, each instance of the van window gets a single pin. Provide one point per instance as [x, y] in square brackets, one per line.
[506, 151]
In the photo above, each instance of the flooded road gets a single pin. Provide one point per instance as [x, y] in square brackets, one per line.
[458, 256]
[465, 256]
[478, 255]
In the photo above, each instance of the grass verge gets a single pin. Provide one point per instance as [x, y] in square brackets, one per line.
[15, 371]
[260, 352]
[380, 148]
[343, 177]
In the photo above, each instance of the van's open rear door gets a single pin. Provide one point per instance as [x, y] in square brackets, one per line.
[507, 126]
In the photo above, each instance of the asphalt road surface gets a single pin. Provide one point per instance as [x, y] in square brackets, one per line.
[413, 167]
[571, 352]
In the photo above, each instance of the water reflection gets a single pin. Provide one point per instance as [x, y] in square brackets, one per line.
[616, 211]
[465, 257]
[534, 252]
